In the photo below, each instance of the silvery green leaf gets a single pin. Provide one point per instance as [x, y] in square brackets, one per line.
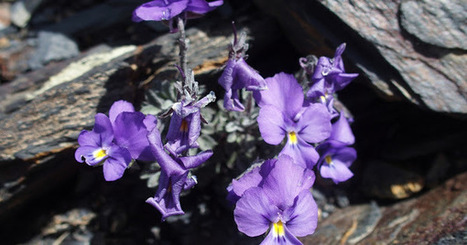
[153, 180]
[206, 142]
[232, 127]
[231, 138]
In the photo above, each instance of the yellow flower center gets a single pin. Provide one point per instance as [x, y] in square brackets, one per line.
[278, 229]
[293, 137]
[328, 159]
[99, 153]
[184, 126]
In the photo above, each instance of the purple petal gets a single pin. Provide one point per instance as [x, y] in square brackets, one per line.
[194, 161]
[317, 90]
[302, 153]
[202, 7]
[154, 138]
[346, 155]
[159, 10]
[285, 181]
[341, 131]
[336, 171]
[89, 154]
[247, 77]
[183, 132]
[287, 238]
[103, 127]
[283, 92]
[119, 107]
[315, 123]
[89, 138]
[232, 102]
[167, 198]
[115, 165]
[302, 217]
[339, 50]
[343, 79]
[226, 79]
[250, 179]
[253, 212]
[271, 124]
[131, 133]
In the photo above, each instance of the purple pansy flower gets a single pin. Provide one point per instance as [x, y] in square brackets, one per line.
[174, 176]
[282, 203]
[159, 10]
[335, 161]
[336, 157]
[328, 77]
[238, 74]
[117, 139]
[284, 114]
[97, 147]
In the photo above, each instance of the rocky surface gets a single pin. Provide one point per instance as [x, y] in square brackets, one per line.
[397, 63]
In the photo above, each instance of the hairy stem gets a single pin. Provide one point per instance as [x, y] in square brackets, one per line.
[183, 49]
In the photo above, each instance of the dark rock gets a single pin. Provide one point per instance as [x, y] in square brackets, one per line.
[52, 47]
[440, 23]
[385, 181]
[397, 65]
[436, 216]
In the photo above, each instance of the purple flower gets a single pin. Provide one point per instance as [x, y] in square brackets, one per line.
[116, 140]
[131, 129]
[97, 148]
[237, 75]
[341, 131]
[335, 161]
[284, 114]
[159, 10]
[282, 203]
[329, 76]
[174, 176]
[336, 157]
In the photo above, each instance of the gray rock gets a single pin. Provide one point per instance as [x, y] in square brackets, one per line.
[52, 47]
[442, 23]
[21, 11]
[398, 65]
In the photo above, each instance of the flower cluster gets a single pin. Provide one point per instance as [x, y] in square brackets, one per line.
[273, 197]
[276, 195]
[127, 135]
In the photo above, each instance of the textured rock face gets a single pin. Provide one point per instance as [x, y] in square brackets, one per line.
[432, 218]
[442, 23]
[427, 72]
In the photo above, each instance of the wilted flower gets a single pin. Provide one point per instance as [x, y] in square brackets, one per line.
[329, 77]
[185, 124]
[238, 75]
[174, 176]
